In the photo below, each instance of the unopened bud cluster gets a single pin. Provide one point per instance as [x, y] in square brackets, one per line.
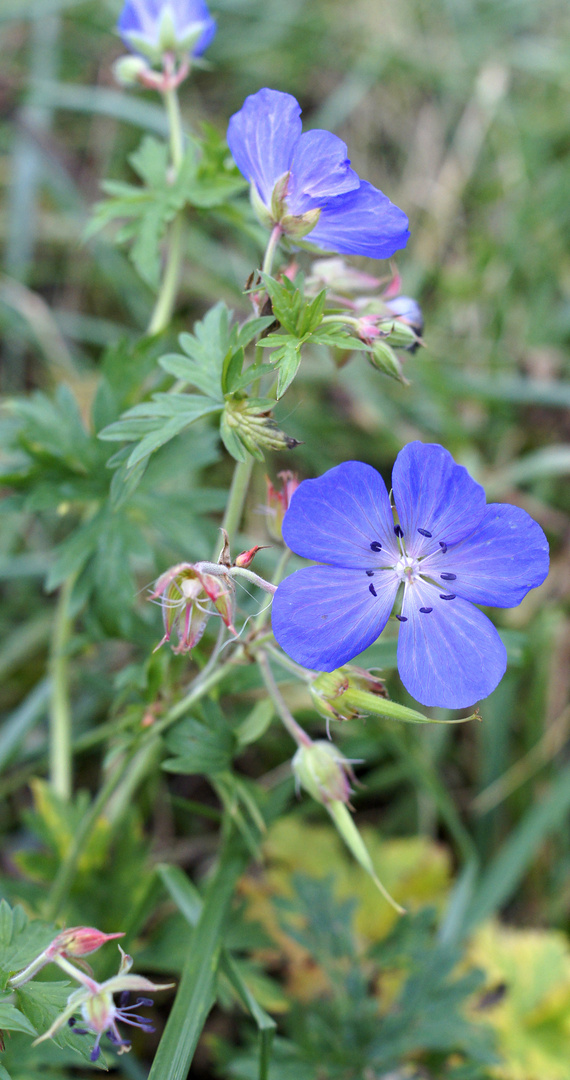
[250, 420]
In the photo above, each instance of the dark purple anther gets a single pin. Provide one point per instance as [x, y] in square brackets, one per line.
[443, 546]
[424, 532]
[426, 610]
[369, 573]
[375, 546]
[447, 596]
[448, 577]
[372, 589]
[402, 618]
[93, 1056]
[399, 531]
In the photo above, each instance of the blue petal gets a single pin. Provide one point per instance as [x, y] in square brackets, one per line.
[432, 493]
[339, 516]
[142, 18]
[262, 137]
[450, 656]
[498, 563]
[362, 222]
[324, 616]
[320, 169]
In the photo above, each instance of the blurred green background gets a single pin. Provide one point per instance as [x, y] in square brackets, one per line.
[460, 111]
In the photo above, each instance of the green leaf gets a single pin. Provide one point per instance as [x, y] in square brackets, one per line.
[206, 350]
[11, 1019]
[200, 747]
[42, 1002]
[21, 940]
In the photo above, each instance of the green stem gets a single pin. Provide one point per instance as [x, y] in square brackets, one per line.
[272, 245]
[166, 299]
[237, 497]
[60, 755]
[295, 730]
[172, 105]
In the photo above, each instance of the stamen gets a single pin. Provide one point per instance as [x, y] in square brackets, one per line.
[399, 531]
[443, 546]
[426, 610]
[424, 532]
[447, 596]
[375, 546]
[448, 577]
[402, 618]
[372, 589]
[369, 573]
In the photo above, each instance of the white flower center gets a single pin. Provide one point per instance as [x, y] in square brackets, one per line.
[408, 569]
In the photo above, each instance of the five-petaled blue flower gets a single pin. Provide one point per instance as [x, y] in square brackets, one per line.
[304, 182]
[154, 27]
[446, 550]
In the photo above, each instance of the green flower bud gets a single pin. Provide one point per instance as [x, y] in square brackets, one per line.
[322, 771]
[128, 70]
[250, 420]
[384, 359]
[398, 334]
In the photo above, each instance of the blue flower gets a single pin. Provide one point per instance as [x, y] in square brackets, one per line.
[445, 551]
[155, 27]
[304, 181]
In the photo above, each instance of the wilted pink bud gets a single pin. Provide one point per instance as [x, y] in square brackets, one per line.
[188, 597]
[278, 502]
[79, 941]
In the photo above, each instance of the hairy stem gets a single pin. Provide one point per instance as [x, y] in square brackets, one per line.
[295, 730]
[237, 497]
[272, 245]
[166, 300]
[60, 755]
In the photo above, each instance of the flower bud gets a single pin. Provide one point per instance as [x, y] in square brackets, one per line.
[246, 557]
[333, 692]
[186, 595]
[79, 941]
[278, 502]
[130, 70]
[322, 771]
[383, 358]
[250, 420]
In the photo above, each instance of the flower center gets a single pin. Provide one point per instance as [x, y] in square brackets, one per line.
[408, 569]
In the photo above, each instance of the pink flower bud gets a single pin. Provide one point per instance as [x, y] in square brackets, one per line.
[79, 941]
[246, 557]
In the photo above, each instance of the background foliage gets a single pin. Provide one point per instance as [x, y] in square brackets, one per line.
[459, 110]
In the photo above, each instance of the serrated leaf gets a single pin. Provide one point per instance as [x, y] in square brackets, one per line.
[11, 1019]
[252, 328]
